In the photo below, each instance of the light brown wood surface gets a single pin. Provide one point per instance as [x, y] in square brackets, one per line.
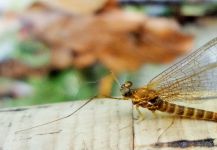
[103, 125]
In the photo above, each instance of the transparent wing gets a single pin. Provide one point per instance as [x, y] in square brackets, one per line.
[193, 78]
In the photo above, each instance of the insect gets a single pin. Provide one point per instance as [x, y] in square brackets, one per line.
[191, 79]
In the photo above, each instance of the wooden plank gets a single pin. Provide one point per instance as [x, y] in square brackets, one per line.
[104, 124]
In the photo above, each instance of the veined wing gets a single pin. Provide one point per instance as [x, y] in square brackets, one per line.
[193, 78]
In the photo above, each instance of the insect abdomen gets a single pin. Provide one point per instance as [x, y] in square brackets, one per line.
[187, 111]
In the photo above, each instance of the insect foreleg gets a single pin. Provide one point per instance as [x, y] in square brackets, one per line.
[141, 116]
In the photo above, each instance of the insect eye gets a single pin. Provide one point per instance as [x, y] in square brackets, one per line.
[128, 84]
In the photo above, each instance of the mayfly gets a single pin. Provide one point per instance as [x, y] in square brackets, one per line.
[193, 78]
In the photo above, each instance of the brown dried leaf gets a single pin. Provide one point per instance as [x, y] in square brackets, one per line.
[119, 40]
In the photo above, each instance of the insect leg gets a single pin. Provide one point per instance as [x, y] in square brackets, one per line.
[158, 139]
[141, 115]
[154, 114]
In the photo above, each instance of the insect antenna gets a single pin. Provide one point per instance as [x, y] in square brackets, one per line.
[61, 118]
[64, 117]
[115, 78]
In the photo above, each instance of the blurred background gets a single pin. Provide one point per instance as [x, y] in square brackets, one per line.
[65, 50]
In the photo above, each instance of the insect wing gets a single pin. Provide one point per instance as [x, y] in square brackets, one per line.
[193, 78]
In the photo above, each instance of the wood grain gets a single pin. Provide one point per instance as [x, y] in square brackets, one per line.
[100, 125]
[103, 125]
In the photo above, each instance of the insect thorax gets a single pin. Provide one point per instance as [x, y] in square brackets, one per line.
[143, 95]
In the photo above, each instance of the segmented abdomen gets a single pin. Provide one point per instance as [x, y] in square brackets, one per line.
[187, 111]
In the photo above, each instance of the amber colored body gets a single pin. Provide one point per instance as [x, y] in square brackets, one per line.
[143, 97]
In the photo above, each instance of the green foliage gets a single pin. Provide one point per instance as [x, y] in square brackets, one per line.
[66, 86]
